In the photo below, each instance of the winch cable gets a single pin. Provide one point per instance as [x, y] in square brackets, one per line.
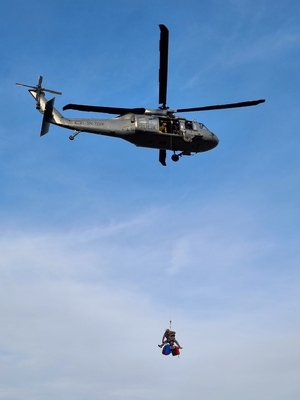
[170, 235]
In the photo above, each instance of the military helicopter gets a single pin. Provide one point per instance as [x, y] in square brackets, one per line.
[151, 128]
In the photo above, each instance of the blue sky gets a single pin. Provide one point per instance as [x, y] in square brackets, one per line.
[101, 245]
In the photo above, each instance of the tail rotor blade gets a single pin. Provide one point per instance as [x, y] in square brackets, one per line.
[22, 84]
[38, 88]
[50, 91]
[40, 81]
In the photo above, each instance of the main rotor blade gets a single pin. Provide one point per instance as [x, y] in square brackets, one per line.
[163, 65]
[162, 157]
[105, 110]
[223, 106]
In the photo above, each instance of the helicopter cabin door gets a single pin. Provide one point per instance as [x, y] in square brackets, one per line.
[147, 123]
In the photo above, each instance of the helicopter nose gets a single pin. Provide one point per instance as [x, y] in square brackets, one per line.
[214, 140]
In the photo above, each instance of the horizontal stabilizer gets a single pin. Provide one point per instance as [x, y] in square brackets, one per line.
[47, 116]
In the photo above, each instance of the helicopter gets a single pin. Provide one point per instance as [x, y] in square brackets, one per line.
[158, 128]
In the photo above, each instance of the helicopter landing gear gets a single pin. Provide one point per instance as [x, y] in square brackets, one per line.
[72, 137]
[175, 157]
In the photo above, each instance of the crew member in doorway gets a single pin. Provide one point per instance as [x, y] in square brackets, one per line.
[163, 127]
[175, 127]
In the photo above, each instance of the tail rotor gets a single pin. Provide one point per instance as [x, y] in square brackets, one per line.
[39, 90]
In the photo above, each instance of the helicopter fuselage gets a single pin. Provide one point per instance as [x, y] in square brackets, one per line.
[143, 131]
[180, 134]
[159, 128]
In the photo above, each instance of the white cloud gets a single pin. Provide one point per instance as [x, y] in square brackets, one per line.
[84, 310]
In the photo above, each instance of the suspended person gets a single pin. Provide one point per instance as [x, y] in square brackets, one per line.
[169, 337]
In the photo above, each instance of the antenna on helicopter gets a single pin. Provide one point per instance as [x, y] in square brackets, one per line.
[39, 90]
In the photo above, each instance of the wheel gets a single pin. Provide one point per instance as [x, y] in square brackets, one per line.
[175, 157]
[71, 137]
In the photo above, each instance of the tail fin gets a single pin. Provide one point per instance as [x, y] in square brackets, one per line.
[44, 106]
[48, 114]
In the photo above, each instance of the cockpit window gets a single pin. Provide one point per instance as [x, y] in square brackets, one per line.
[202, 126]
